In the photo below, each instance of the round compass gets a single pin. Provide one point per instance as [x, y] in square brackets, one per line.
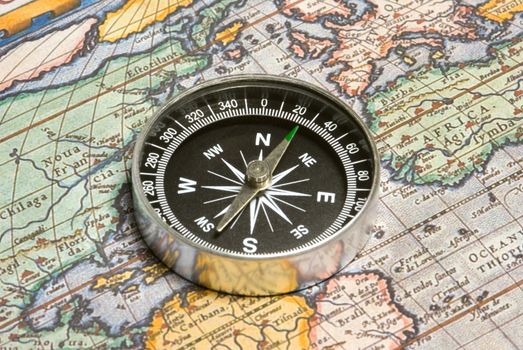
[255, 185]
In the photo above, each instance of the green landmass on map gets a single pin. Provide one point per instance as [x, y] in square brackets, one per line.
[441, 125]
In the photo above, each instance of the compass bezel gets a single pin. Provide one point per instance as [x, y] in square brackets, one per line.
[358, 225]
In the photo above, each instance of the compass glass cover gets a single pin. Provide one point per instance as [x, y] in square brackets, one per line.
[196, 153]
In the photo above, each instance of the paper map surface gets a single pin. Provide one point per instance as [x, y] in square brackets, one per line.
[439, 83]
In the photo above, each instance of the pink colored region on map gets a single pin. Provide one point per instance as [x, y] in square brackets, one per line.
[310, 11]
[313, 46]
[363, 42]
[369, 319]
[31, 59]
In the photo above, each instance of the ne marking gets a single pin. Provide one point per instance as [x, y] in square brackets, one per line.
[237, 218]
[149, 174]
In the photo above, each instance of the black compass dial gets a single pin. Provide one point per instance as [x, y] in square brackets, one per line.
[256, 168]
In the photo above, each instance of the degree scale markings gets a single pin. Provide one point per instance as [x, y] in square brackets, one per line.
[303, 120]
[191, 129]
[156, 146]
[316, 128]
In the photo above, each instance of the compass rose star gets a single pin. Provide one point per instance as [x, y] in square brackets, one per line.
[268, 201]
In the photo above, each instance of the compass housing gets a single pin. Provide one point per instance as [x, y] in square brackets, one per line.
[227, 270]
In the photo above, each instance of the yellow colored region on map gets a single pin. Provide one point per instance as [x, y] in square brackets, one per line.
[501, 10]
[153, 272]
[113, 280]
[220, 273]
[136, 15]
[21, 18]
[229, 34]
[438, 55]
[204, 319]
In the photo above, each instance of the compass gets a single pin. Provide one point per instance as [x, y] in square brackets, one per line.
[255, 185]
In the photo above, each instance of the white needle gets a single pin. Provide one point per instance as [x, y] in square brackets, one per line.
[258, 178]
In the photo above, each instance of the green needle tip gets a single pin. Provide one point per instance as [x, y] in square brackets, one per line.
[291, 133]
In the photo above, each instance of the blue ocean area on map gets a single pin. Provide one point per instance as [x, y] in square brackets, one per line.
[43, 22]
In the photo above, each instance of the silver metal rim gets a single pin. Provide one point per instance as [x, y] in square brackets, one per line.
[246, 78]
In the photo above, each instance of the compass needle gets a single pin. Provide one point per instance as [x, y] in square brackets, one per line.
[245, 184]
[273, 159]
[222, 212]
[240, 201]
[259, 177]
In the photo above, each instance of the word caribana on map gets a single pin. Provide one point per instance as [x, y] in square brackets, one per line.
[438, 84]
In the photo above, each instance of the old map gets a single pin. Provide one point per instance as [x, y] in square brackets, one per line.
[438, 82]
